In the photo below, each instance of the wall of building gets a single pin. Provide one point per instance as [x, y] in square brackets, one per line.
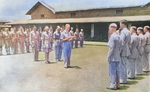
[132, 11]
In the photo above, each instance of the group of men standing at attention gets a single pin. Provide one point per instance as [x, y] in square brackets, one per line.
[62, 39]
[128, 53]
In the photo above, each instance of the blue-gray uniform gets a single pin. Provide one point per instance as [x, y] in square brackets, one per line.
[134, 45]
[66, 46]
[114, 59]
[125, 37]
[146, 52]
[58, 45]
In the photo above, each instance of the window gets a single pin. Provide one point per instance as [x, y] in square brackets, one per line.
[42, 15]
[73, 14]
[119, 12]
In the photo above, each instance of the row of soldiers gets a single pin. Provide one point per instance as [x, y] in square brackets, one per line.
[128, 54]
[21, 39]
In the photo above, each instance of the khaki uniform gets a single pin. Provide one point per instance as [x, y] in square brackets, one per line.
[1, 42]
[7, 41]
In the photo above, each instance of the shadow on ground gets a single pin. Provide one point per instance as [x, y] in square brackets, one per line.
[76, 67]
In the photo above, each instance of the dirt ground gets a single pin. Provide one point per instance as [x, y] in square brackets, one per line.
[88, 73]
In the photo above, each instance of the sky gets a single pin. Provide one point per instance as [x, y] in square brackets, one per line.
[15, 10]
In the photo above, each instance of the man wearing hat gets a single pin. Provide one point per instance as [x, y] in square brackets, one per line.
[134, 45]
[58, 44]
[147, 49]
[34, 41]
[81, 35]
[140, 59]
[125, 37]
[114, 57]
[76, 36]
[66, 38]
[1, 41]
[72, 34]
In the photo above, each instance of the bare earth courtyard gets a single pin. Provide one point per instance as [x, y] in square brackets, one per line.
[88, 73]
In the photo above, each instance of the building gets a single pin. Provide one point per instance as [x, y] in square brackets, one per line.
[94, 21]
[3, 24]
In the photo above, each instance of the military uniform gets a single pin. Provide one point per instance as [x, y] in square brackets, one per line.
[72, 34]
[76, 35]
[146, 52]
[7, 41]
[1, 42]
[46, 38]
[125, 37]
[15, 42]
[81, 35]
[114, 59]
[139, 60]
[21, 37]
[27, 43]
[66, 45]
[58, 45]
[134, 44]
[34, 41]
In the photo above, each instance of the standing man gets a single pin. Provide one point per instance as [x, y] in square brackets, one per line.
[1, 41]
[72, 34]
[7, 40]
[34, 41]
[21, 39]
[114, 57]
[51, 36]
[125, 37]
[139, 60]
[134, 45]
[27, 43]
[58, 44]
[66, 38]
[147, 49]
[46, 44]
[76, 35]
[40, 35]
[81, 35]
[15, 41]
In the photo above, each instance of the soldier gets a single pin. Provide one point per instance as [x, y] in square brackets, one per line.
[134, 44]
[15, 41]
[72, 34]
[46, 38]
[1, 41]
[51, 36]
[147, 49]
[81, 35]
[58, 44]
[66, 38]
[7, 40]
[34, 41]
[114, 57]
[40, 42]
[76, 36]
[21, 36]
[139, 60]
[125, 37]
[27, 43]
